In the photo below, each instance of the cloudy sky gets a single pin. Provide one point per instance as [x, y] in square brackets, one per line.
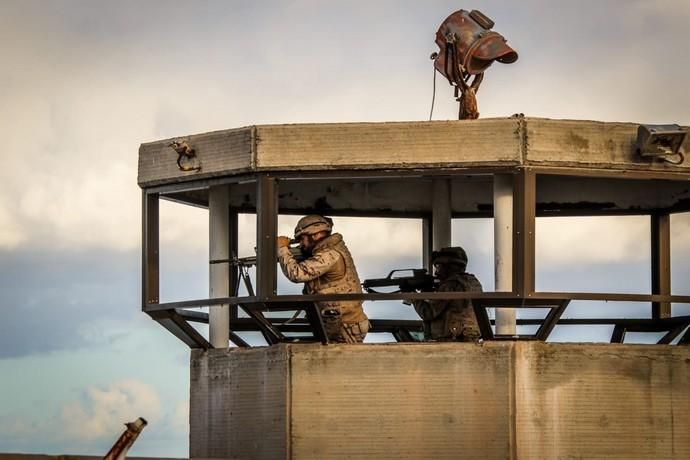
[83, 83]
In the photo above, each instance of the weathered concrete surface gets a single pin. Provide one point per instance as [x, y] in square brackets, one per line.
[413, 402]
[241, 403]
[484, 143]
[603, 401]
[503, 400]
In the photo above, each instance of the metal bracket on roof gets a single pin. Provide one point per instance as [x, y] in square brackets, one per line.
[186, 156]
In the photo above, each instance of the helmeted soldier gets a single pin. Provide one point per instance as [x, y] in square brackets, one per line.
[450, 320]
[327, 269]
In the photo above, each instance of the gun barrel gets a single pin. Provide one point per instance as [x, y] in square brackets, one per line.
[241, 261]
[250, 261]
[420, 280]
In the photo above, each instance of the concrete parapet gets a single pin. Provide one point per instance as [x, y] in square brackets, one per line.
[507, 400]
[487, 142]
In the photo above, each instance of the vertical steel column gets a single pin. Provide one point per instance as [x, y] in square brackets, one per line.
[525, 222]
[219, 273]
[427, 243]
[234, 248]
[266, 230]
[503, 249]
[150, 293]
[661, 262]
[441, 214]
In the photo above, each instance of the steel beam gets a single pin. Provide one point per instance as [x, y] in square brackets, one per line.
[490, 298]
[525, 190]
[313, 314]
[661, 262]
[150, 290]
[181, 329]
[483, 322]
[551, 320]
[685, 339]
[427, 242]
[269, 331]
[618, 335]
[266, 232]
[673, 333]
[402, 334]
[234, 270]
[630, 173]
[193, 316]
[237, 340]
[274, 328]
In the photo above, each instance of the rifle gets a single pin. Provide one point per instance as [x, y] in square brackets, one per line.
[420, 280]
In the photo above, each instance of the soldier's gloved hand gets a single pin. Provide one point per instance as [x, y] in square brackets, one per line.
[282, 242]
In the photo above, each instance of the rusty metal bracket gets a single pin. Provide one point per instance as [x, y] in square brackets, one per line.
[186, 152]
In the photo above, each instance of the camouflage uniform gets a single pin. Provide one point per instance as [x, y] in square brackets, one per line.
[330, 270]
[448, 320]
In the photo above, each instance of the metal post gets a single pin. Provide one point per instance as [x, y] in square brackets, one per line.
[503, 249]
[234, 249]
[661, 262]
[524, 237]
[427, 243]
[219, 273]
[441, 214]
[150, 241]
[266, 230]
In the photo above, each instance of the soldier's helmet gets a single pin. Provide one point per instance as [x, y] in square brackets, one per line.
[311, 224]
[452, 256]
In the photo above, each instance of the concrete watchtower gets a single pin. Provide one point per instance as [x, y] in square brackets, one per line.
[511, 396]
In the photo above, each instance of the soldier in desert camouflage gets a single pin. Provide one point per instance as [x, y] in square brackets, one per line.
[327, 269]
[450, 320]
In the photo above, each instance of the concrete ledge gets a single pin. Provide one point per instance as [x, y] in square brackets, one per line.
[484, 143]
[494, 400]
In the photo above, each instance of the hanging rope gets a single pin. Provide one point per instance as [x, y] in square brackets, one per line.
[433, 93]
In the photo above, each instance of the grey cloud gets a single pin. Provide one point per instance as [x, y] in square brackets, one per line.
[47, 296]
[53, 300]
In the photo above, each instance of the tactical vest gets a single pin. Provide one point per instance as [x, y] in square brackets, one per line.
[458, 318]
[342, 279]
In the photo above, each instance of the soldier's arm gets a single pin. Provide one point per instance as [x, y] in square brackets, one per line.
[309, 269]
[423, 309]
[429, 310]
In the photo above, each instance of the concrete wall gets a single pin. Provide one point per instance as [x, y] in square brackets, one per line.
[502, 400]
[240, 403]
[603, 401]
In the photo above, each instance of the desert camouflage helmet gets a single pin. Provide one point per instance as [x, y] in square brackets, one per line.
[451, 255]
[311, 224]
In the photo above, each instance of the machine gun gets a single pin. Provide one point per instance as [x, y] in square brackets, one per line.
[420, 280]
[244, 263]
[250, 261]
